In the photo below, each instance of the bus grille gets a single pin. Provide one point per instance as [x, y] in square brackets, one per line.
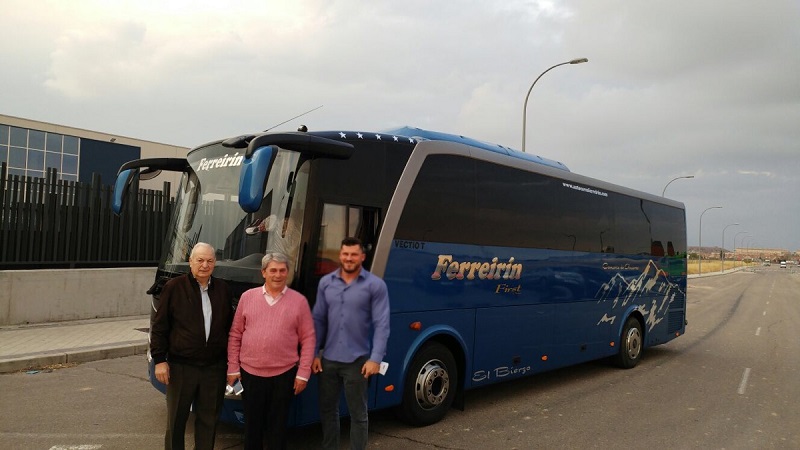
[675, 322]
[679, 302]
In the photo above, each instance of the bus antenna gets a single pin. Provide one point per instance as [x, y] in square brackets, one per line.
[295, 117]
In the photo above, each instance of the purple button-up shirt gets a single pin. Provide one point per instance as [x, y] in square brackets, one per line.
[345, 315]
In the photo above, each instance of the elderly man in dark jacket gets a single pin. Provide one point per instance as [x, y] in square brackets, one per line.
[188, 343]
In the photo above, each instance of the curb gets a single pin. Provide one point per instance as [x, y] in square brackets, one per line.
[15, 363]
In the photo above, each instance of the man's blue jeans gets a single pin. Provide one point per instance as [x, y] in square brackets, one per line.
[333, 377]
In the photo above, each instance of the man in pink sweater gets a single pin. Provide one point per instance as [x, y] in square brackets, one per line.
[271, 321]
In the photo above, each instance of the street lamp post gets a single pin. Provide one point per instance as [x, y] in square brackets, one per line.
[734, 246]
[670, 181]
[747, 248]
[722, 251]
[525, 106]
[700, 241]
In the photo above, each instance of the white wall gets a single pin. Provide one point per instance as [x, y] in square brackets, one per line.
[35, 296]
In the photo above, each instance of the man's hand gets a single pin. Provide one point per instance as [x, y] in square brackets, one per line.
[316, 366]
[232, 379]
[162, 372]
[299, 385]
[370, 368]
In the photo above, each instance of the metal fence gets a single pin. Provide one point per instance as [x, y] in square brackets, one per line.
[52, 223]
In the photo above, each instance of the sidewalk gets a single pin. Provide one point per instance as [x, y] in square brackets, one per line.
[33, 346]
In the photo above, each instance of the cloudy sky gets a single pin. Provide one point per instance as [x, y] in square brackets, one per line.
[672, 88]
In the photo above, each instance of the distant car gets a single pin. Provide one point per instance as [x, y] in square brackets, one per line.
[783, 264]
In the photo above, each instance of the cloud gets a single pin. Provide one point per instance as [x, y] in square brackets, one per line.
[118, 54]
[671, 87]
[756, 174]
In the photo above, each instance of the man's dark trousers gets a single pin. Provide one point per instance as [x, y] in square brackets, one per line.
[203, 385]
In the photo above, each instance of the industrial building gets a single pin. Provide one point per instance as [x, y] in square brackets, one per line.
[30, 147]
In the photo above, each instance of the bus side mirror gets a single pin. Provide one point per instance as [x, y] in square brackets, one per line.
[253, 177]
[121, 188]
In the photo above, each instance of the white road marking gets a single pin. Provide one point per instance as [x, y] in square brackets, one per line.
[76, 447]
[93, 436]
[743, 384]
[758, 331]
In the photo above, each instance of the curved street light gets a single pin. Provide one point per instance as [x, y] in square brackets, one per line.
[734, 245]
[670, 181]
[722, 251]
[525, 106]
[700, 241]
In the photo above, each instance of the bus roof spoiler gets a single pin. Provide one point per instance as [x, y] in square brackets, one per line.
[155, 165]
[301, 142]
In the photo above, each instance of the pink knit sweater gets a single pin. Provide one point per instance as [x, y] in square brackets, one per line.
[264, 339]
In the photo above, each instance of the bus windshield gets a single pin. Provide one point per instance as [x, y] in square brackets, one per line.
[207, 210]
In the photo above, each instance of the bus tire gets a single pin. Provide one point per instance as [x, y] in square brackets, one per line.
[631, 344]
[430, 385]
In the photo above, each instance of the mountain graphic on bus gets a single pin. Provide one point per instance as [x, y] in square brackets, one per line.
[651, 286]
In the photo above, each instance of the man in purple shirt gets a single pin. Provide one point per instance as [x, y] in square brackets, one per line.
[351, 320]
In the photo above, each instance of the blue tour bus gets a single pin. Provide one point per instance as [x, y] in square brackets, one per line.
[499, 264]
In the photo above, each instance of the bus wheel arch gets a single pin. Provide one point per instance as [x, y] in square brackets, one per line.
[631, 342]
[432, 382]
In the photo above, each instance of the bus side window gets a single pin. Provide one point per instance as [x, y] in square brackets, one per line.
[656, 248]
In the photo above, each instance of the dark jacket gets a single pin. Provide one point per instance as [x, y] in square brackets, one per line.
[178, 332]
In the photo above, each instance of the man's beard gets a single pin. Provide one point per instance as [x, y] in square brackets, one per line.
[353, 270]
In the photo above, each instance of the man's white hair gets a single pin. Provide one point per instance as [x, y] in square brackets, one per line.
[201, 245]
[277, 257]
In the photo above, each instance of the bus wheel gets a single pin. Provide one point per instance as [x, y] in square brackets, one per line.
[631, 342]
[430, 385]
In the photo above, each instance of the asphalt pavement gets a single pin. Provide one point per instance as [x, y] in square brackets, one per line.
[32, 347]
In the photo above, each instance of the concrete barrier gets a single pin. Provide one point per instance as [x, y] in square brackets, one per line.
[36, 296]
